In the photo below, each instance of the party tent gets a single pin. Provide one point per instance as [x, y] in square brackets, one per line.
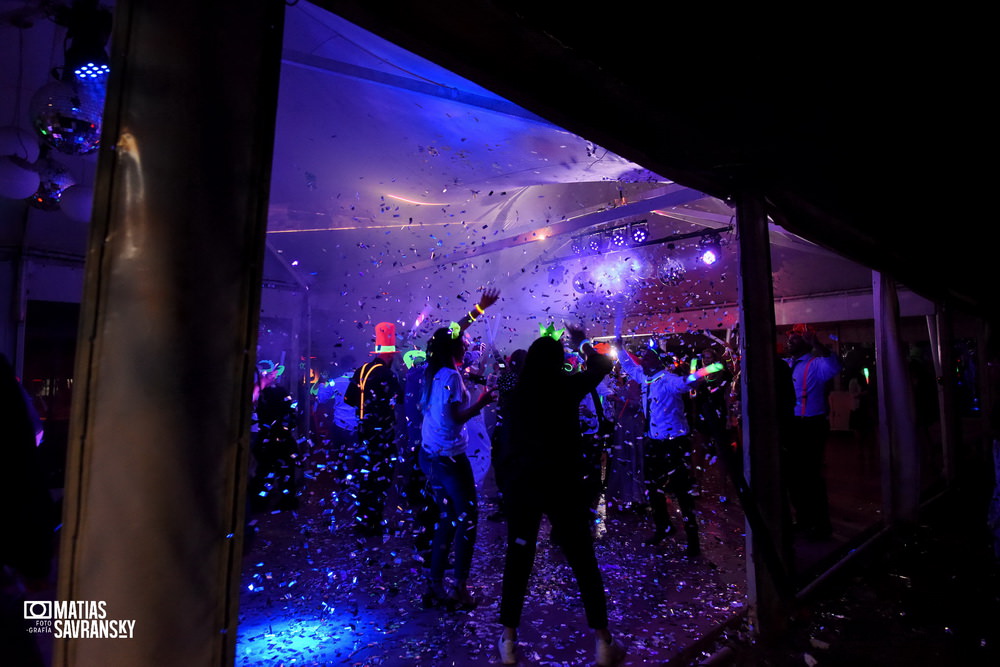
[269, 182]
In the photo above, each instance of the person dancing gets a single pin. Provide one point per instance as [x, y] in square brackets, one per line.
[667, 445]
[543, 473]
[446, 406]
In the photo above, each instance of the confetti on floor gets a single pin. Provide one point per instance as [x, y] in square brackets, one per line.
[316, 593]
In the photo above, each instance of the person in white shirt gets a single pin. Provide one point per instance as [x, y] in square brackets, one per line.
[339, 419]
[446, 406]
[667, 446]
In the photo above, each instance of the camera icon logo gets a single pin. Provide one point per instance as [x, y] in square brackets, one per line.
[36, 611]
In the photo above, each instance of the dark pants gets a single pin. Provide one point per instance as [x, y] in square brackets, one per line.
[275, 484]
[499, 453]
[374, 468]
[803, 468]
[667, 467]
[454, 490]
[595, 448]
[342, 443]
[417, 497]
[568, 514]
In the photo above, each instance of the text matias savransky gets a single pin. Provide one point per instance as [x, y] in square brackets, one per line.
[79, 619]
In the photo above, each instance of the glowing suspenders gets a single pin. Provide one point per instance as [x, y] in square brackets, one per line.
[364, 380]
[805, 390]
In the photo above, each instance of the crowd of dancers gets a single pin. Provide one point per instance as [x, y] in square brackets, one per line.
[563, 428]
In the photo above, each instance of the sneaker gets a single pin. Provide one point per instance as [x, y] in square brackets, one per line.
[435, 596]
[508, 651]
[463, 599]
[654, 539]
[609, 654]
[693, 544]
[659, 535]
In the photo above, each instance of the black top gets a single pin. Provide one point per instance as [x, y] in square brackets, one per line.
[545, 449]
[27, 511]
[375, 391]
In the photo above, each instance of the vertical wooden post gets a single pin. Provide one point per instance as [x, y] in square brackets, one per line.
[157, 453]
[944, 363]
[760, 417]
[897, 436]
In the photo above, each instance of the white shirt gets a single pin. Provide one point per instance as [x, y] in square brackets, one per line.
[441, 435]
[344, 415]
[662, 399]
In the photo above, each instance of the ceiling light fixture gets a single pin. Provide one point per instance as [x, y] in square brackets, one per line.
[88, 28]
[710, 248]
[67, 111]
[595, 242]
[639, 232]
[620, 237]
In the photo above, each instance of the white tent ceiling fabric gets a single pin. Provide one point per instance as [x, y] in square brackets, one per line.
[399, 187]
[396, 184]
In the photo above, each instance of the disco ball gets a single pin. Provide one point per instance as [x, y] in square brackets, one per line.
[671, 272]
[632, 285]
[67, 116]
[583, 282]
[54, 178]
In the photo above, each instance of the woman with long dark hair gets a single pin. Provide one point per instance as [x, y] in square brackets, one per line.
[544, 473]
[446, 406]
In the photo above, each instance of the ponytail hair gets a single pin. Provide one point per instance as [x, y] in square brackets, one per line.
[442, 349]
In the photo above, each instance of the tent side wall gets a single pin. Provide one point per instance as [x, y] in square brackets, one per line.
[158, 443]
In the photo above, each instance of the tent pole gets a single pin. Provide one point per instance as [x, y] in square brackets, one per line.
[900, 449]
[759, 413]
[157, 455]
[940, 327]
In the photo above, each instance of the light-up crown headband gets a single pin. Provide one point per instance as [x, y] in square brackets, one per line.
[550, 331]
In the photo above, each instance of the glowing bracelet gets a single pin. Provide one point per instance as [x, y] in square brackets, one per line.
[480, 309]
[472, 317]
[586, 341]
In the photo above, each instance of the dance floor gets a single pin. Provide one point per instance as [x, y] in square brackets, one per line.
[316, 594]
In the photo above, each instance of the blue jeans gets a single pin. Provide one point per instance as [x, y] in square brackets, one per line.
[454, 490]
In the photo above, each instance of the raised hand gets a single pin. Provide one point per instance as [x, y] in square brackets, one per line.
[490, 296]
[576, 335]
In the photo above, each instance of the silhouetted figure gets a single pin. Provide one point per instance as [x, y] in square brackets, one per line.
[506, 384]
[414, 487]
[339, 420]
[625, 477]
[274, 484]
[375, 391]
[813, 368]
[543, 473]
[597, 431]
[29, 519]
[710, 404]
